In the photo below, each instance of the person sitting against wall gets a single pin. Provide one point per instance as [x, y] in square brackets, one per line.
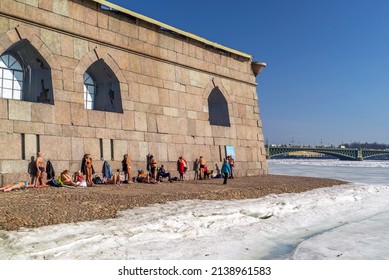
[218, 172]
[80, 178]
[17, 185]
[114, 179]
[163, 174]
[142, 177]
[66, 179]
[108, 176]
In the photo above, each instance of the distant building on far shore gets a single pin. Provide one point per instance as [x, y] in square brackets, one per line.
[80, 77]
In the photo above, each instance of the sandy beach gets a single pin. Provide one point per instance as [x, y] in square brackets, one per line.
[48, 206]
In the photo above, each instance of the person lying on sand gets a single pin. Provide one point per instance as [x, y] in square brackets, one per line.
[17, 185]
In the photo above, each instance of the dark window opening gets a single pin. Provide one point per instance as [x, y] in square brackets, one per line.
[25, 74]
[101, 149]
[23, 145]
[102, 88]
[218, 108]
[38, 143]
[112, 150]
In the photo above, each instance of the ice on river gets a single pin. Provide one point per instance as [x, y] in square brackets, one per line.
[343, 222]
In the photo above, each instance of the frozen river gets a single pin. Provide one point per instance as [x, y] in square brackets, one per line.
[343, 222]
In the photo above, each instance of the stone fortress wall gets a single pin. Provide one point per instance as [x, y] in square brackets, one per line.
[162, 85]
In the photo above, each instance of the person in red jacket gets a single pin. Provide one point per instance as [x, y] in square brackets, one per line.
[181, 167]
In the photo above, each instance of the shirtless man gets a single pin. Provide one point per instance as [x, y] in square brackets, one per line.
[40, 166]
[202, 165]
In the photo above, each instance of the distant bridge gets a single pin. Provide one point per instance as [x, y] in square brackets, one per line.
[341, 153]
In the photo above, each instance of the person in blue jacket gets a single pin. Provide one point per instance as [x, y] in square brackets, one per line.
[226, 169]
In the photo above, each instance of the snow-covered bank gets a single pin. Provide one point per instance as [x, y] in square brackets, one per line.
[266, 228]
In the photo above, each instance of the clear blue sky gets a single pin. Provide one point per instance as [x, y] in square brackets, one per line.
[327, 79]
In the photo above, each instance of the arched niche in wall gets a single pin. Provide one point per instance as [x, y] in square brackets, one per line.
[102, 88]
[25, 74]
[218, 108]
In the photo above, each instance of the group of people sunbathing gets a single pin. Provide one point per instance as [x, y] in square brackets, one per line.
[84, 177]
[81, 178]
[199, 167]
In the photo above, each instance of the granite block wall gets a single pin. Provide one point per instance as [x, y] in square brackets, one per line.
[165, 81]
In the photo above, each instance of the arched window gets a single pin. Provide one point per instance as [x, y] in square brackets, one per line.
[218, 108]
[89, 92]
[25, 74]
[11, 77]
[102, 88]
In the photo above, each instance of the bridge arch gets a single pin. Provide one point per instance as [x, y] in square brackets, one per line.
[342, 154]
